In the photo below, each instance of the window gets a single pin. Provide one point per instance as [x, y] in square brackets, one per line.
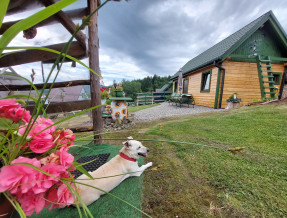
[277, 78]
[205, 81]
[185, 86]
[175, 87]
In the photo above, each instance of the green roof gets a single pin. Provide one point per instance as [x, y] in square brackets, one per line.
[224, 48]
[166, 87]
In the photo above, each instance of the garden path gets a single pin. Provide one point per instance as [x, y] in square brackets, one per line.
[168, 110]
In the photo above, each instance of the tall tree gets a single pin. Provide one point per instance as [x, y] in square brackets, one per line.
[131, 88]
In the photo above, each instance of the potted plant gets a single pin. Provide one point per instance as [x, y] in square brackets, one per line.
[113, 91]
[104, 95]
[119, 91]
[233, 98]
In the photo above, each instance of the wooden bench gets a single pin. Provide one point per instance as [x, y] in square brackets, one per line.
[174, 97]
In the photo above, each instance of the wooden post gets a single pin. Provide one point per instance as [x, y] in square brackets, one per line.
[94, 64]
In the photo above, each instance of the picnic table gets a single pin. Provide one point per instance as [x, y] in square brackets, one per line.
[180, 99]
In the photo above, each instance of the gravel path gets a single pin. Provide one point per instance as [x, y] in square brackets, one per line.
[167, 110]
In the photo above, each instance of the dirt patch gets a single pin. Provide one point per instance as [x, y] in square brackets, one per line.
[170, 190]
[274, 102]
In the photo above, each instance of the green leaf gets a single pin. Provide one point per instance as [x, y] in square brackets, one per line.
[24, 24]
[7, 124]
[15, 204]
[82, 169]
[3, 9]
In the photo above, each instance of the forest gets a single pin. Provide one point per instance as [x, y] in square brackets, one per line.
[147, 84]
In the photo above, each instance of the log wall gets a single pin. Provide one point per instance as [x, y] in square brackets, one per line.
[194, 87]
[242, 78]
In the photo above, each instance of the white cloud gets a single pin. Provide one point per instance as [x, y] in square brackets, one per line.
[119, 66]
[142, 38]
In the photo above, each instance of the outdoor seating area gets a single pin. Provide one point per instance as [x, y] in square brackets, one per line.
[180, 99]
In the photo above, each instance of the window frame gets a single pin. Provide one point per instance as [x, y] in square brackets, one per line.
[279, 78]
[185, 79]
[202, 76]
[175, 87]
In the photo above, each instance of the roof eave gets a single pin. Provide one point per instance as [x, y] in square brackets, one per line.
[250, 32]
[208, 64]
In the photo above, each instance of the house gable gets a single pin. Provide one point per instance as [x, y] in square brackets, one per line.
[232, 43]
[265, 41]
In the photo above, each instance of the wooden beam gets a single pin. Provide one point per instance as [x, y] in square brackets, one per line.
[67, 23]
[94, 64]
[72, 14]
[19, 6]
[64, 106]
[82, 129]
[29, 56]
[40, 86]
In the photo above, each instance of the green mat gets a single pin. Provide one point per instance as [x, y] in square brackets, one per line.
[129, 190]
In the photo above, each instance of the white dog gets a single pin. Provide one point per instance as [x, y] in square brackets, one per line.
[117, 169]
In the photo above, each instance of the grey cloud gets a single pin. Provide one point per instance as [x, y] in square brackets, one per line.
[160, 42]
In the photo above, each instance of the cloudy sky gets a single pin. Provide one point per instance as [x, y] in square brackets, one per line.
[141, 38]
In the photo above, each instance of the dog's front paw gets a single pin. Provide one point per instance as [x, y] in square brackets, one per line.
[149, 164]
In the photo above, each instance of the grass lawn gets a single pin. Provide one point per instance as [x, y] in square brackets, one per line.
[141, 107]
[206, 180]
[200, 181]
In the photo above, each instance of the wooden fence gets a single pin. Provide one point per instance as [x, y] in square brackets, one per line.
[55, 107]
[151, 97]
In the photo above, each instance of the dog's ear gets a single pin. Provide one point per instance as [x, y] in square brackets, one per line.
[127, 144]
[130, 137]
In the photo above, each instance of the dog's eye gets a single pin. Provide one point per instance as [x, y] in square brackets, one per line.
[139, 147]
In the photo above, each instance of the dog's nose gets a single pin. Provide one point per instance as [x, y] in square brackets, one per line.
[147, 149]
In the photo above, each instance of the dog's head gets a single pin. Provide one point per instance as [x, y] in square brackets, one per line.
[134, 148]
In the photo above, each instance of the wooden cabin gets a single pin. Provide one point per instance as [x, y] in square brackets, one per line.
[251, 62]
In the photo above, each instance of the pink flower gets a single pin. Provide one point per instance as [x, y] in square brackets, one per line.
[44, 182]
[64, 137]
[64, 195]
[41, 138]
[7, 104]
[19, 178]
[10, 109]
[17, 114]
[52, 158]
[39, 126]
[66, 159]
[34, 130]
[61, 195]
[41, 143]
[30, 202]
[48, 123]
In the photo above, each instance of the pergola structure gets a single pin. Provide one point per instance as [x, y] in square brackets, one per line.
[78, 49]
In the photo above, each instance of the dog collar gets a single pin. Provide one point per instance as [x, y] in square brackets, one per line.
[127, 157]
